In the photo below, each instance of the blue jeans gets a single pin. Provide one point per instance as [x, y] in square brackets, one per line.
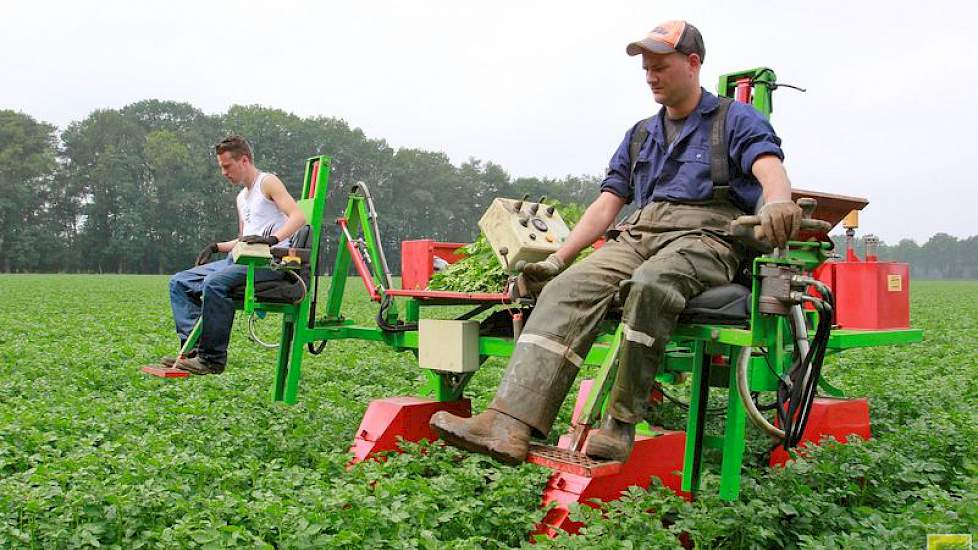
[204, 290]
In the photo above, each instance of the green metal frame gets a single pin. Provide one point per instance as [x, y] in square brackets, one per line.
[690, 352]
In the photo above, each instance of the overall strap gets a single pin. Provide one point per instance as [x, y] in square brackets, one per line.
[719, 153]
[635, 146]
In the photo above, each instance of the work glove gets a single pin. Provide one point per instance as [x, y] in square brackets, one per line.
[536, 274]
[780, 221]
[205, 254]
[270, 240]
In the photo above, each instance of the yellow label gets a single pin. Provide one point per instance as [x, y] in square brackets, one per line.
[894, 283]
[939, 542]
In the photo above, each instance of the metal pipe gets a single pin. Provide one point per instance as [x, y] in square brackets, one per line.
[372, 215]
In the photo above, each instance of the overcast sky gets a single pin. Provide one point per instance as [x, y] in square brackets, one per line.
[542, 88]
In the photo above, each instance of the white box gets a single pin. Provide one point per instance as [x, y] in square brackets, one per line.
[448, 346]
[529, 234]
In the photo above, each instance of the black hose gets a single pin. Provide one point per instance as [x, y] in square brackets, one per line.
[794, 404]
[401, 326]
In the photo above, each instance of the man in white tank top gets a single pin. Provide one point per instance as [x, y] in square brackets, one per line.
[266, 214]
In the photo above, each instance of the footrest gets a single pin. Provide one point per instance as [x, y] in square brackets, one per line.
[571, 462]
[165, 372]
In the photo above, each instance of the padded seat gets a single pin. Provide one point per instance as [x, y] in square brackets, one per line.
[720, 305]
[286, 290]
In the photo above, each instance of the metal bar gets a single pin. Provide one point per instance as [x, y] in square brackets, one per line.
[696, 423]
[282, 361]
[733, 442]
[358, 262]
[591, 411]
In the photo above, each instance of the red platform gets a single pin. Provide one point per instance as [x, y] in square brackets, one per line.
[830, 417]
[407, 418]
[660, 456]
[164, 372]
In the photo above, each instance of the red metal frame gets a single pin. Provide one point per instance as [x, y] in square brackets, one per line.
[445, 296]
[417, 261]
[833, 418]
[358, 263]
[388, 420]
[660, 456]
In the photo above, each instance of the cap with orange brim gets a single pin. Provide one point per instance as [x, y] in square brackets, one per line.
[669, 37]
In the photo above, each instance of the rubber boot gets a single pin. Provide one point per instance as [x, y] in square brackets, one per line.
[490, 433]
[613, 441]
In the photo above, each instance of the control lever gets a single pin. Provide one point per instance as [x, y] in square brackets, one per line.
[746, 227]
[536, 207]
[519, 204]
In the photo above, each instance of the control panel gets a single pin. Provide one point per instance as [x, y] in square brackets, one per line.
[522, 231]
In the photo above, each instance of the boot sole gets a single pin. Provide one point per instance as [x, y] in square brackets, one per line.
[459, 442]
[597, 452]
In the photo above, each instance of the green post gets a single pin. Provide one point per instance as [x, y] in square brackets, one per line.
[282, 362]
[733, 438]
[699, 399]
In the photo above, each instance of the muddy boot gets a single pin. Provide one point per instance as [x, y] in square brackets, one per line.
[490, 432]
[613, 441]
[199, 365]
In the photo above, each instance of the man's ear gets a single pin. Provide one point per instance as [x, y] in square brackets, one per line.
[694, 61]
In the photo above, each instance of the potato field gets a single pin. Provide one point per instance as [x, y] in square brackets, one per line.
[94, 453]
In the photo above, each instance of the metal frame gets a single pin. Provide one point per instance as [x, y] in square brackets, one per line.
[694, 349]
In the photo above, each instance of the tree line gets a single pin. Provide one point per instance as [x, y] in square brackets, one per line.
[137, 189]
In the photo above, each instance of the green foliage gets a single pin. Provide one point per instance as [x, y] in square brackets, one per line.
[93, 453]
[137, 189]
[480, 271]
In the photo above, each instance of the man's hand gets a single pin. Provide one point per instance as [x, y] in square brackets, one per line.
[537, 274]
[780, 221]
[270, 240]
[205, 254]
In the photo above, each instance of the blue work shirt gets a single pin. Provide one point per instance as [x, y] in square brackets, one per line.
[681, 172]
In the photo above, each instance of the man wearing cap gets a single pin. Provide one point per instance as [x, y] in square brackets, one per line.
[673, 248]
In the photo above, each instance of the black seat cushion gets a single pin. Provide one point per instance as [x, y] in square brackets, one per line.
[287, 290]
[720, 305]
[284, 291]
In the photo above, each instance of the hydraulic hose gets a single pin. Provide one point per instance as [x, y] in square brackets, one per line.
[743, 388]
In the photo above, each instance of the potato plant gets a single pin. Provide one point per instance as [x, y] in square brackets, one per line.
[95, 454]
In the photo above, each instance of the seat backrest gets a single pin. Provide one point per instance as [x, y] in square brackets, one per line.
[302, 237]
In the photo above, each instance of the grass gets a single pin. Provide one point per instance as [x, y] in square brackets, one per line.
[93, 453]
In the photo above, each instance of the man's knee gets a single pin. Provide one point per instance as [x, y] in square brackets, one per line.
[216, 284]
[178, 281]
[653, 289]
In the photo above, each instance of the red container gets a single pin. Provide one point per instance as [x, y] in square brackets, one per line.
[869, 295]
[417, 261]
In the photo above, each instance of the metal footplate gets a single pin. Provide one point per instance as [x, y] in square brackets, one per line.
[571, 462]
[165, 372]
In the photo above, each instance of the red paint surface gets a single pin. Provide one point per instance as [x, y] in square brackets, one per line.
[417, 261]
[388, 419]
[660, 456]
[864, 297]
[830, 417]
[163, 372]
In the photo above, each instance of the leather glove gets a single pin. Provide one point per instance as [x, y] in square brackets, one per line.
[205, 254]
[780, 221]
[270, 240]
[536, 274]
